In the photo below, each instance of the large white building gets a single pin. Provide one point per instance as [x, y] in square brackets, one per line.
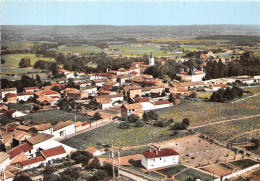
[192, 75]
[158, 157]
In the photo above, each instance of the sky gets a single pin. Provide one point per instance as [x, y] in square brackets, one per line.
[129, 12]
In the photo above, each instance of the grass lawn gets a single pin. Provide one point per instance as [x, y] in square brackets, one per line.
[244, 163]
[195, 174]
[172, 170]
[112, 135]
[54, 116]
[14, 59]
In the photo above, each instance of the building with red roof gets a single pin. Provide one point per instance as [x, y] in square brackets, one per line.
[54, 153]
[158, 158]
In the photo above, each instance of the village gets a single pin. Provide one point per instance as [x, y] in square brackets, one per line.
[121, 97]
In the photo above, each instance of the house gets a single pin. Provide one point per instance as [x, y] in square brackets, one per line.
[132, 91]
[48, 93]
[128, 109]
[31, 89]
[104, 102]
[13, 113]
[54, 153]
[85, 83]
[11, 97]
[63, 128]
[8, 90]
[161, 104]
[24, 96]
[158, 157]
[38, 142]
[94, 151]
[192, 75]
[4, 160]
[31, 163]
[24, 148]
[89, 89]
[14, 138]
[46, 128]
[216, 87]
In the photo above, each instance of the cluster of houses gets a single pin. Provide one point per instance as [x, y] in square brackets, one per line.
[116, 93]
[25, 147]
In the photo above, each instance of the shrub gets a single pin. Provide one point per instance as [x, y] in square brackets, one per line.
[124, 125]
[139, 123]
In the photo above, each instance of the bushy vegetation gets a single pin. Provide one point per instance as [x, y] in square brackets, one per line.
[228, 94]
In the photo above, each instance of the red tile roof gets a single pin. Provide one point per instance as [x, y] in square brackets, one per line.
[220, 85]
[143, 99]
[162, 153]
[19, 149]
[10, 95]
[53, 151]
[31, 88]
[161, 102]
[25, 93]
[31, 161]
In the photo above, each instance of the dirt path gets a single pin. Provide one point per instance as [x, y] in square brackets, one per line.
[245, 98]
[255, 130]
[224, 121]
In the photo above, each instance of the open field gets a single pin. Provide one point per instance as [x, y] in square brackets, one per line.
[14, 59]
[112, 135]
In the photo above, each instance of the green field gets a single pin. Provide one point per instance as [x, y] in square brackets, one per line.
[112, 135]
[14, 59]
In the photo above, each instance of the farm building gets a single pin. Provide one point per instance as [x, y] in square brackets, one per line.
[158, 157]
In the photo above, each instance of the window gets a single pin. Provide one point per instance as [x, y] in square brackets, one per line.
[160, 158]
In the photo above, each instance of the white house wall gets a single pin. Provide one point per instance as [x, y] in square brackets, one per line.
[4, 164]
[67, 131]
[154, 163]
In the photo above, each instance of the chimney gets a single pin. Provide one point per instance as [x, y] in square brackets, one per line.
[150, 149]
[159, 148]
[156, 151]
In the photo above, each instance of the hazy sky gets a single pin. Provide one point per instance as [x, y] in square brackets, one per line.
[129, 12]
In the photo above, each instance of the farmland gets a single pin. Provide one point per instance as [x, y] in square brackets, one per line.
[228, 131]
[14, 59]
[112, 135]
[207, 112]
[12, 62]
[54, 116]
